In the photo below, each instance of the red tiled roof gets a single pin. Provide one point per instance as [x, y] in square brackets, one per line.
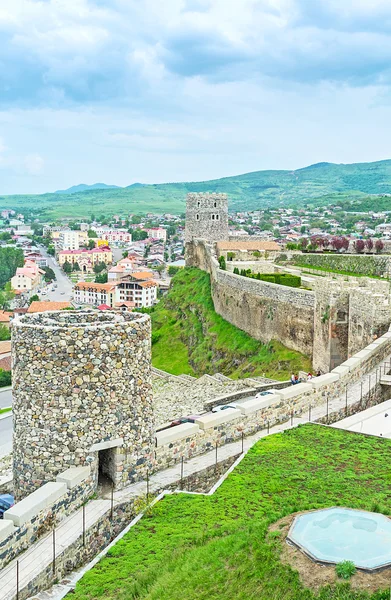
[37, 306]
[5, 363]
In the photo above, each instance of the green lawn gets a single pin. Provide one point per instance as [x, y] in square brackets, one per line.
[218, 547]
[190, 337]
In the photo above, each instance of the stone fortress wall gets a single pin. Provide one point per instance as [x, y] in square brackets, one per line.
[264, 310]
[82, 394]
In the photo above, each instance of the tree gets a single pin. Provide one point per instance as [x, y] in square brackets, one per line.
[5, 378]
[67, 267]
[173, 270]
[51, 250]
[136, 219]
[222, 263]
[49, 274]
[5, 333]
[304, 243]
[91, 244]
[166, 256]
[76, 266]
[160, 269]
[99, 267]
[138, 235]
[303, 229]
[5, 236]
[359, 246]
[369, 244]
[101, 278]
[34, 298]
[146, 251]
[345, 243]
[10, 260]
[236, 270]
[125, 254]
[92, 234]
[379, 246]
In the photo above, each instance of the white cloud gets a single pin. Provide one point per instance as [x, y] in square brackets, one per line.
[34, 164]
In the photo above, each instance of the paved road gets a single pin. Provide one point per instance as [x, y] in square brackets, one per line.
[5, 436]
[63, 291]
[5, 399]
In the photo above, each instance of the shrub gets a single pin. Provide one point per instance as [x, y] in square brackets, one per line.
[173, 270]
[345, 569]
[5, 378]
[222, 263]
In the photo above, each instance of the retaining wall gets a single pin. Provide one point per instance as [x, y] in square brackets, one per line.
[189, 440]
[38, 513]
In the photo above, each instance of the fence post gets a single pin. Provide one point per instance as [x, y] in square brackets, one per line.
[346, 400]
[327, 409]
[216, 457]
[147, 485]
[112, 502]
[84, 525]
[361, 393]
[292, 418]
[309, 414]
[268, 427]
[17, 580]
[54, 552]
[181, 472]
[242, 442]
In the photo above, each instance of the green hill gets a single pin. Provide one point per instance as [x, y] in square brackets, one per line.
[324, 183]
[188, 336]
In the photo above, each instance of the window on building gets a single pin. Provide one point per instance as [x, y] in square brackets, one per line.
[215, 204]
[198, 217]
[213, 217]
[198, 204]
[217, 217]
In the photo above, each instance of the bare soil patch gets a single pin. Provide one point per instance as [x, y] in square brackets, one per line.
[316, 576]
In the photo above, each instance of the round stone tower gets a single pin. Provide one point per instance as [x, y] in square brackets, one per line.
[82, 395]
[206, 217]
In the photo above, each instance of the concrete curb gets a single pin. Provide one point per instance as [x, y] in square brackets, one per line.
[7, 414]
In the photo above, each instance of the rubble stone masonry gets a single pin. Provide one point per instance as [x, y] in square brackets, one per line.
[82, 394]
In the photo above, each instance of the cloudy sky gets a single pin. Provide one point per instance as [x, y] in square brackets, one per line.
[121, 91]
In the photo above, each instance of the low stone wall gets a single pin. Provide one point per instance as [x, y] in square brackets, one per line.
[102, 533]
[29, 520]
[365, 264]
[213, 429]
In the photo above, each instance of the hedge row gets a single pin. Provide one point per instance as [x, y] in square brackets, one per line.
[279, 278]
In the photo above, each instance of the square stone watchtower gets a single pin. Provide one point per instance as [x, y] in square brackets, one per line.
[206, 217]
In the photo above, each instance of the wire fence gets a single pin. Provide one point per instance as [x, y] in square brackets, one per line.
[21, 573]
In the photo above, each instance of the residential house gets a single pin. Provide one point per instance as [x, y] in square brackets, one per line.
[27, 278]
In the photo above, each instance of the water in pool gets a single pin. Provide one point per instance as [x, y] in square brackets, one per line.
[336, 534]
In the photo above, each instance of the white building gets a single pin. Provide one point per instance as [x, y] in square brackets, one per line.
[135, 291]
[157, 233]
[113, 236]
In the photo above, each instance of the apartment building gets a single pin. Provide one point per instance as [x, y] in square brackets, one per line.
[133, 291]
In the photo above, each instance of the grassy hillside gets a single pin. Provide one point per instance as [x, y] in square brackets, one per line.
[188, 336]
[218, 547]
[325, 182]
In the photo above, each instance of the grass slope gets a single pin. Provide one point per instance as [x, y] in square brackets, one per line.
[208, 548]
[324, 182]
[190, 337]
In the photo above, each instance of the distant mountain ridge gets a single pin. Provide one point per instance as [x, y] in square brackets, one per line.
[322, 183]
[82, 187]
